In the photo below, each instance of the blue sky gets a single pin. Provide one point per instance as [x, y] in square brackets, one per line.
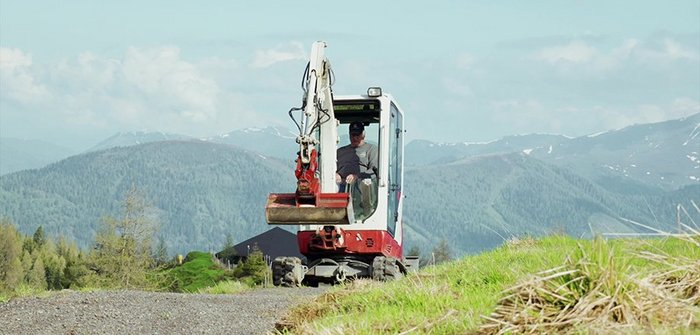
[76, 72]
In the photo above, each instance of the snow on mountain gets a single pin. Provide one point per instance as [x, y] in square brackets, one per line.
[663, 154]
[422, 152]
[270, 141]
[693, 134]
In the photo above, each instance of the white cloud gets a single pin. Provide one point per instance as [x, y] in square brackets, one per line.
[531, 115]
[457, 87]
[523, 105]
[17, 78]
[88, 72]
[588, 57]
[176, 84]
[465, 61]
[684, 106]
[667, 51]
[281, 53]
[626, 50]
[525, 115]
[12, 59]
[675, 50]
[574, 52]
[153, 87]
[612, 117]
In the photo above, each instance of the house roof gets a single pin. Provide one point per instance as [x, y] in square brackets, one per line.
[274, 243]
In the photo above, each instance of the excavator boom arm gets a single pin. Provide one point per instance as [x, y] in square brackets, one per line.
[316, 199]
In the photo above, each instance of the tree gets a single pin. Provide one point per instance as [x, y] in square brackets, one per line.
[27, 263]
[254, 269]
[229, 241]
[414, 251]
[11, 272]
[442, 253]
[229, 251]
[122, 252]
[76, 267]
[54, 265]
[39, 237]
[161, 252]
[37, 276]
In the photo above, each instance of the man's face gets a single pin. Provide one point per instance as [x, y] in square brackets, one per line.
[356, 139]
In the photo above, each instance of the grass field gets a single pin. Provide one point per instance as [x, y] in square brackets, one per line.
[551, 285]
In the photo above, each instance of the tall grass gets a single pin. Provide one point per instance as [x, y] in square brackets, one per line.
[552, 285]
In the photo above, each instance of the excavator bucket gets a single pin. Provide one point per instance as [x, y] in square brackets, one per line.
[330, 209]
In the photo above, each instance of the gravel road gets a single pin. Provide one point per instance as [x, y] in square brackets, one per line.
[136, 312]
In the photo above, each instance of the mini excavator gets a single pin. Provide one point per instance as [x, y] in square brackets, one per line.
[340, 238]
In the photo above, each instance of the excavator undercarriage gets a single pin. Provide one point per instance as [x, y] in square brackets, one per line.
[290, 272]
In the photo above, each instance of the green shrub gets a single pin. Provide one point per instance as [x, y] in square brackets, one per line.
[197, 272]
[254, 271]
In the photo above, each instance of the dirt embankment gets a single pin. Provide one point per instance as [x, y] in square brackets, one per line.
[136, 312]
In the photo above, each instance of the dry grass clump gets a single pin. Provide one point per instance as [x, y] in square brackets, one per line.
[521, 242]
[681, 279]
[593, 293]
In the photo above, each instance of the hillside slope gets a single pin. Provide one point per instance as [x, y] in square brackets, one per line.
[664, 154]
[477, 203]
[201, 192]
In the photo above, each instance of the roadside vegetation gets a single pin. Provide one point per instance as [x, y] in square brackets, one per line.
[555, 285]
[122, 257]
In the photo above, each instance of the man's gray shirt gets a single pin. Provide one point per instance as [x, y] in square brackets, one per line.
[368, 157]
[348, 162]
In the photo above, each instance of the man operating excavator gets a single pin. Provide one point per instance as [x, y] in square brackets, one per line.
[343, 235]
[357, 169]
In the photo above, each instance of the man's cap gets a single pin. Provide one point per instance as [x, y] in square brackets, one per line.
[357, 128]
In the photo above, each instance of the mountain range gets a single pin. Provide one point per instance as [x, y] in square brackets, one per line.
[664, 154]
[17, 155]
[126, 139]
[23, 154]
[475, 195]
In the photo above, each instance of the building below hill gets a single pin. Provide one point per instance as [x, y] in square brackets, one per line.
[273, 243]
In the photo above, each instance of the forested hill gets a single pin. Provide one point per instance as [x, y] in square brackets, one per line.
[478, 202]
[202, 191]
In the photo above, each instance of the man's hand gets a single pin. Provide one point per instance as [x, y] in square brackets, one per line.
[349, 179]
